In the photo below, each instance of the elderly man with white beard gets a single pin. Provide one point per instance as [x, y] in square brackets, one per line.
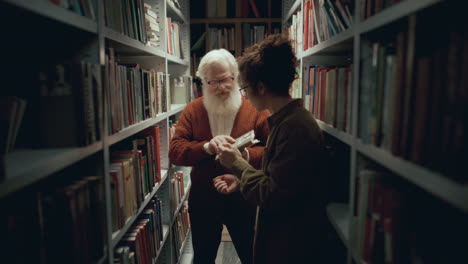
[218, 117]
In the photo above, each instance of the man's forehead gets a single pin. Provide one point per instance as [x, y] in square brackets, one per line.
[218, 70]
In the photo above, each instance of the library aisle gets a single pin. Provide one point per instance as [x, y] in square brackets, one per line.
[92, 92]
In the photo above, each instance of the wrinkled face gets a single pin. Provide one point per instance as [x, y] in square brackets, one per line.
[219, 81]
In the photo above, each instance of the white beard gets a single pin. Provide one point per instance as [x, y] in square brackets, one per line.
[222, 113]
[217, 106]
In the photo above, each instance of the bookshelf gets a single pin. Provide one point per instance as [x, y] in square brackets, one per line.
[232, 25]
[425, 183]
[56, 13]
[36, 173]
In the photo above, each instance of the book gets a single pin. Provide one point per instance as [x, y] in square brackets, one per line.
[244, 141]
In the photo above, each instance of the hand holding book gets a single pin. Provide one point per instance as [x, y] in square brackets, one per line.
[213, 145]
[228, 155]
[242, 142]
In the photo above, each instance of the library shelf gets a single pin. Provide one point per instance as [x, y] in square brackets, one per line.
[165, 237]
[181, 204]
[117, 235]
[175, 109]
[135, 128]
[338, 214]
[57, 13]
[340, 135]
[24, 167]
[393, 13]
[338, 44]
[129, 46]
[439, 185]
[294, 7]
[176, 60]
[186, 250]
[175, 12]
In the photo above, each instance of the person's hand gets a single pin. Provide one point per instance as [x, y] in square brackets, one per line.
[226, 183]
[228, 154]
[217, 141]
[245, 154]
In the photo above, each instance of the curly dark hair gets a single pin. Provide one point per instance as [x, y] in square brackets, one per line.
[271, 62]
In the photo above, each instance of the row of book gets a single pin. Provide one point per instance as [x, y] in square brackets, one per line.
[222, 38]
[152, 27]
[380, 211]
[83, 8]
[294, 31]
[66, 107]
[413, 99]
[218, 8]
[175, 41]
[319, 21]
[62, 222]
[372, 7]
[398, 223]
[11, 115]
[328, 94]
[180, 90]
[69, 109]
[128, 17]
[243, 8]
[135, 94]
[254, 33]
[134, 172]
[324, 19]
[142, 242]
[178, 184]
[296, 86]
[180, 230]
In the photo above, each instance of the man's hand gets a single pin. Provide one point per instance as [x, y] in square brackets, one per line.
[226, 183]
[228, 154]
[217, 141]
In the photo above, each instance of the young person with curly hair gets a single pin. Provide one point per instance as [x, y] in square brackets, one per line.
[289, 189]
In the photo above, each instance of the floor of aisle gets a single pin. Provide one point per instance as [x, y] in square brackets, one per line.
[227, 254]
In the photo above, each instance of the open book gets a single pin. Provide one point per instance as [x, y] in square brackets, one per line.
[246, 140]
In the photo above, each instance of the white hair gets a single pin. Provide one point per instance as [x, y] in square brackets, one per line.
[218, 56]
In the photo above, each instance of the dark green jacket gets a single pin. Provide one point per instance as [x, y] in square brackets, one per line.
[289, 189]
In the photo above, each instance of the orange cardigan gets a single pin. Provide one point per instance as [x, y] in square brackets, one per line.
[193, 131]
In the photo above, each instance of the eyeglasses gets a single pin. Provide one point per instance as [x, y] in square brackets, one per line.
[243, 91]
[216, 83]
